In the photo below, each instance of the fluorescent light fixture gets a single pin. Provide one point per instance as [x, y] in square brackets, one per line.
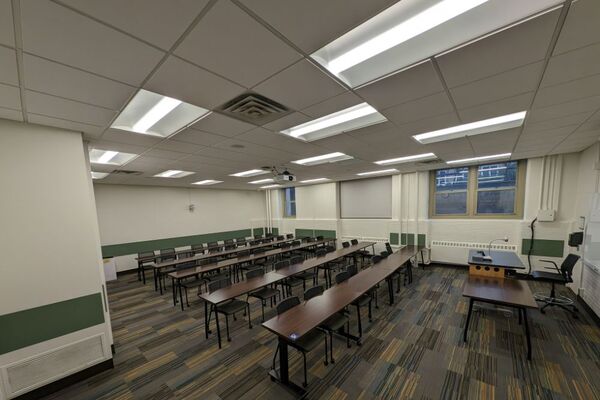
[207, 182]
[411, 31]
[261, 181]
[482, 158]
[173, 173]
[381, 171]
[474, 128]
[325, 158]
[400, 160]
[270, 186]
[252, 172]
[99, 175]
[355, 117]
[154, 114]
[315, 180]
[110, 157]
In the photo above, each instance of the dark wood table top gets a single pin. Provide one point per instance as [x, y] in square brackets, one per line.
[506, 291]
[400, 257]
[500, 259]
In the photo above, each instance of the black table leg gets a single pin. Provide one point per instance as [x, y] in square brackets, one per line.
[471, 301]
[180, 293]
[390, 290]
[155, 279]
[527, 333]
[218, 327]
[206, 331]
[283, 375]
[173, 290]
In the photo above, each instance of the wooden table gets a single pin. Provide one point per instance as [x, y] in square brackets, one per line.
[507, 292]
[299, 320]
[250, 285]
[497, 266]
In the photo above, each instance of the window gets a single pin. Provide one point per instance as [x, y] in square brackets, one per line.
[484, 191]
[289, 202]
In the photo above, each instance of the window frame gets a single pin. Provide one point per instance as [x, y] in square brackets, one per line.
[472, 190]
[285, 201]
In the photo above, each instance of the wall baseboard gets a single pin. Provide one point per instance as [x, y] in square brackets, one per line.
[67, 381]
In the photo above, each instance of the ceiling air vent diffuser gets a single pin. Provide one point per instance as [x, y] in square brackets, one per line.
[254, 108]
[126, 172]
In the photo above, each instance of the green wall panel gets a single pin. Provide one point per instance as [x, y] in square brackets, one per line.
[35, 325]
[123, 249]
[325, 233]
[275, 231]
[258, 231]
[409, 239]
[544, 247]
[300, 233]
[421, 239]
[394, 239]
[403, 238]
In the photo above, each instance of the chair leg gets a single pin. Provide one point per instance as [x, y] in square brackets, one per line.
[359, 321]
[186, 298]
[249, 318]
[305, 383]
[227, 327]
[326, 362]
[262, 307]
[274, 357]
[370, 313]
[331, 347]
[348, 333]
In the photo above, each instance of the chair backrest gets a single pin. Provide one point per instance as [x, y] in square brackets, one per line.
[199, 246]
[260, 250]
[376, 259]
[167, 251]
[329, 249]
[286, 304]
[296, 243]
[253, 273]
[318, 238]
[342, 276]
[281, 264]
[269, 234]
[254, 242]
[389, 248]
[354, 242]
[230, 246]
[213, 250]
[228, 241]
[146, 254]
[243, 253]
[321, 252]
[258, 236]
[212, 244]
[296, 260]
[384, 254]
[240, 240]
[185, 254]
[285, 245]
[185, 265]
[280, 237]
[567, 266]
[289, 236]
[167, 254]
[345, 244]
[313, 292]
[218, 284]
[352, 269]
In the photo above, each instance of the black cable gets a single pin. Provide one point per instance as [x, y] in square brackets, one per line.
[532, 227]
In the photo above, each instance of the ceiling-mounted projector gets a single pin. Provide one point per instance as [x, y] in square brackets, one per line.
[286, 176]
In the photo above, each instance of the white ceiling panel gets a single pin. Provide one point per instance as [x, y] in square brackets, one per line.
[229, 42]
[255, 151]
[59, 80]
[8, 66]
[7, 113]
[59, 34]
[454, 149]
[6, 24]
[346, 144]
[334, 104]
[167, 154]
[10, 97]
[288, 121]
[195, 136]
[510, 105]
[90, 131]
[145, 163]
[581, 26]
[139, 17]
[115, 146]
[311, 24]
[564, 109]
[181, 147]
[429, 124]
[44, 104]
[507, 84]
[300, 86]
[523, 44]
[120, 136]
[573, 65]
[267, 138]
[196, 160]
[496, 142]
[184, 81]
[568, 120]
[221, 125]
[568, 91]
[414, 83]
[415, 110]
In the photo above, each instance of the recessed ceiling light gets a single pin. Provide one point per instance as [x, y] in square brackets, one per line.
[252, 172]
[154, 114]
[270, 186]
[315, 180]
[474, 128]
[413, 30]
[111, 157]
[351, 118]
[325, 158]
[400, 160]
[261, 181]
[173, 173]
[381, 171]
[207, 182]
[482, 158]
[99, 175]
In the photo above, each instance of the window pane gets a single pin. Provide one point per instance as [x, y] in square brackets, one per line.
[451, 203]
[293, 214]
[292, 194]
[451, 179]
[496, 202]
[499, 175]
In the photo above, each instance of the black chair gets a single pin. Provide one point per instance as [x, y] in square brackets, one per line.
[364, 254]
[364, 300]
[388, 248]
[287, 284]
[306, 275]
[307, 342]
[333, 323]
[345, 245]
[228, 307]
[144, 264]
[167, 255]
[563, 275]
[228, 241]
[289, 236]
[194, 281]
[263, 294]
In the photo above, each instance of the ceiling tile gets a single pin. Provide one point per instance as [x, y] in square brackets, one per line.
[10, 97]
[509, 105]
[334, 104]
[91, 131]
[581, 26]
[415, 110]
[575, 64]
[311, 24]
[167, 154]
[564, 109]
[300, 86]
[59, 80]
[145, 163]
[346, 144]
[184, 81]
[229, 42]
[568, 91]
[6, 24]
[138, 17]
[181, 147]
[198, 159]
[507, 84]
[255, 151]
[7, 113]
[195, 136]
[120, 136]
[559, 122]
[44, 104]
[414, 83]
[288, 121]
[520, 45]
[495, 142]
[454, 149]
[8, 66]
[429, 124]
[57, 33]
[267, 138]
[124, 147]
[219, 124]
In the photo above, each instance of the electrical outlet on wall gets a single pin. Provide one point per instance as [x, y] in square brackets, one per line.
[546, 215]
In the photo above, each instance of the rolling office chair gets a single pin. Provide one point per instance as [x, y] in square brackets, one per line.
[563, 275]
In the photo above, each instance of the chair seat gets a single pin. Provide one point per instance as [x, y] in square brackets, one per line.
[335, 322]
[192, 282]
[309, 341]
[305, 275]
[362, 301]
[548, 276]
[264, 293]
[293, 281]
[232, 306]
